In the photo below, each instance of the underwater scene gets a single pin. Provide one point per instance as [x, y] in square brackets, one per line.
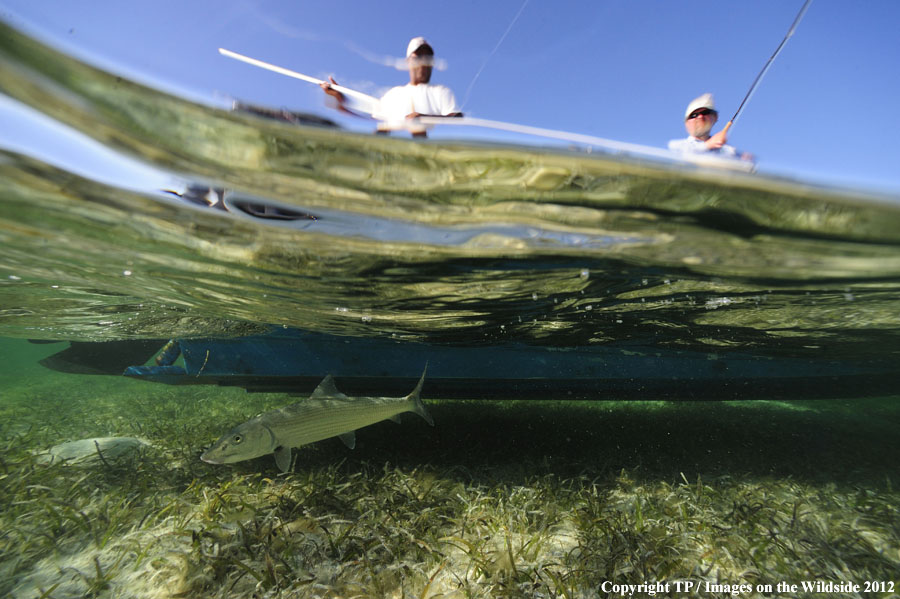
[646, 377]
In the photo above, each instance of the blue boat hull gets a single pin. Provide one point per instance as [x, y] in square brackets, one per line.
[296, 361]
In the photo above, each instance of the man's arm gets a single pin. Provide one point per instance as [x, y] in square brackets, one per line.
[340, 98]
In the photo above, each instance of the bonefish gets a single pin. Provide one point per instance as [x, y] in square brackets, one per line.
[327, 413]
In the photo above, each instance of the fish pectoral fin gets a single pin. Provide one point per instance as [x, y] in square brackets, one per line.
[349, 439]
[395, 418]
[327, 388]
[283, 458]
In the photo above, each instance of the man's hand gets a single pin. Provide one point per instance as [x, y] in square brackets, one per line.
[718, 140]
[326, 87]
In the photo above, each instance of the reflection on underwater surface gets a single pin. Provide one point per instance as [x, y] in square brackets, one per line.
[439, 242]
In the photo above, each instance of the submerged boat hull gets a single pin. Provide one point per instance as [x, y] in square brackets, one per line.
[296, 361]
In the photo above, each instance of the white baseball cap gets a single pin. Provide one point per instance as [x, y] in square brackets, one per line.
[414, 44]
[704, 101]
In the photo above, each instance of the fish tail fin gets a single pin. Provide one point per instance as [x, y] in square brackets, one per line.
[417, 406]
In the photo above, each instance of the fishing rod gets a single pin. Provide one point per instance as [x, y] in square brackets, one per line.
[588, 140]
[370, 100]
[768, 64]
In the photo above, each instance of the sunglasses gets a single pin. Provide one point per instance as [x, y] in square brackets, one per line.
[700, 112]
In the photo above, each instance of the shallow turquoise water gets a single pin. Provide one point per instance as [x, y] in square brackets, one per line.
[449, 243]
[603, 480]
[453, 243]
[847, 442]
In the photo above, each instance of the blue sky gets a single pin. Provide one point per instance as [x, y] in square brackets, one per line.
[827, 111]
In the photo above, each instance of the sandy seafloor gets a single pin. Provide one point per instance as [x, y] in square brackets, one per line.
[502, 498]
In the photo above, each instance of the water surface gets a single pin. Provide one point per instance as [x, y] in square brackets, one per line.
[449, 242]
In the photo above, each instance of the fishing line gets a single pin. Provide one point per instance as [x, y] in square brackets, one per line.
[769, 63]
[491, 55]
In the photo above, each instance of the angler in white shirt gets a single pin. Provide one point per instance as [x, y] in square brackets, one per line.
[417, 98]
[699, 119]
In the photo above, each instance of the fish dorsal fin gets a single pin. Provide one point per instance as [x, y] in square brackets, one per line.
[349, 439]
[283, 458]
[327, 388]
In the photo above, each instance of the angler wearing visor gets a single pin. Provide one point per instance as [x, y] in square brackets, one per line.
[699, 119]
[417, 98]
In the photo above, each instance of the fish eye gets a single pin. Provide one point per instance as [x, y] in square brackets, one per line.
[237, 439]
